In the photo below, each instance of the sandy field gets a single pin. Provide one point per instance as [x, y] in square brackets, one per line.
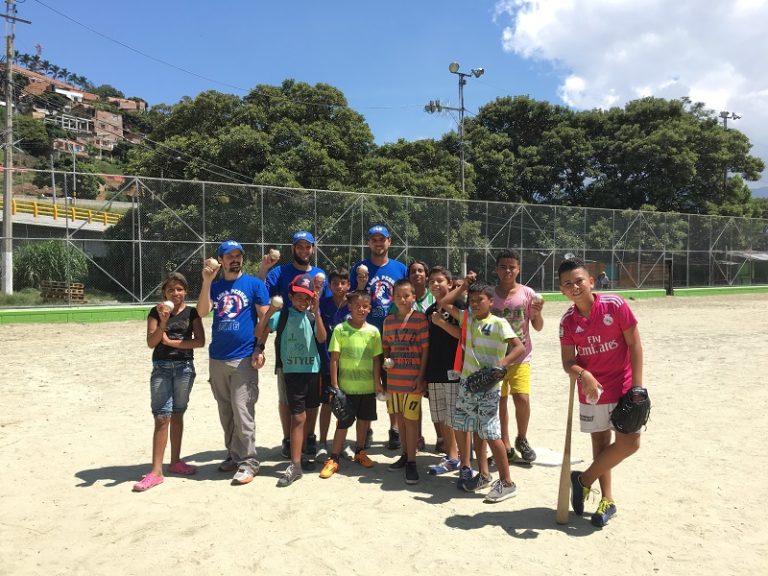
[75, 431]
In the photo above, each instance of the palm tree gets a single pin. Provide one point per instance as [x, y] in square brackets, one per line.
[34, 63]
[64, 74]
[55, 71]
[45, 67]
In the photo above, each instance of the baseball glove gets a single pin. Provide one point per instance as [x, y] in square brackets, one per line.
[341, 408]
[632, 411]
[484, 379]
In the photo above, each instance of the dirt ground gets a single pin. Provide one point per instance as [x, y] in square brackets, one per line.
[75, 431]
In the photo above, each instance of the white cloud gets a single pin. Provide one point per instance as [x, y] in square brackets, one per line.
[613, 51]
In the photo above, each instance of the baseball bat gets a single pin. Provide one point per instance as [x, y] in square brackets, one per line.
[564, 494]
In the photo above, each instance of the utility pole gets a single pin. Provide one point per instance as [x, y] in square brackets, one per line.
[10, 21]
[725, 115]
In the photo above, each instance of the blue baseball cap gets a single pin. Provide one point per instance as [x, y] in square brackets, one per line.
[228, 246]
[303, 235]
[378, 229]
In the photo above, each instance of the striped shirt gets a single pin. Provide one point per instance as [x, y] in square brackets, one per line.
[406, 340]
[486, 343]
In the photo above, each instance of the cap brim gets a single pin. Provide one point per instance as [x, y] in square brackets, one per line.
[301, 290]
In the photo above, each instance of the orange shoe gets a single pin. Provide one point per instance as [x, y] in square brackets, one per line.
[362, 459]
[330, 468]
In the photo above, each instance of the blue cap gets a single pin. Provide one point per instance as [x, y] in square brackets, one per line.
[378, 229]
[228, 246]
[303, 235]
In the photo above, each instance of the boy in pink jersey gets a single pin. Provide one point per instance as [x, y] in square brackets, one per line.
[515, 302]
[600, 345]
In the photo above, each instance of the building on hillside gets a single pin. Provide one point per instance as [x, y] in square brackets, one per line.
[128, 105]
[66, 146]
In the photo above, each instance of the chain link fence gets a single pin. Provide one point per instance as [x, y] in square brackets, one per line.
[144, 228]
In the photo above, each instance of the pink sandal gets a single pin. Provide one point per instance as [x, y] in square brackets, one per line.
[147, 482]
[181, 467]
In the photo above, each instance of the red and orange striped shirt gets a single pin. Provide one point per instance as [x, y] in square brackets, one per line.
[406, 339]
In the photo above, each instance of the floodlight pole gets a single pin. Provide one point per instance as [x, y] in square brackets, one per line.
[453, 68]
[725, 115]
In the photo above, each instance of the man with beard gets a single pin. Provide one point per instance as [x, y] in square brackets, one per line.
[377, 275]
[238, 301]
[278, 282]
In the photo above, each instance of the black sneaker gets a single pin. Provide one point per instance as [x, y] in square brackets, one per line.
[398, 464]
[525, 449]
[411, 473]
[310, 449]
[394, 440]
[307, 464]
[368, 438]
[285, 451]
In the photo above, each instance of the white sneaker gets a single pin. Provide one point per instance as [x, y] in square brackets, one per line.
[349, 452]
[322, 453]
[501, 492]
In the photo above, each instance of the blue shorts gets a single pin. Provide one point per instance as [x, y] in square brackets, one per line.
[170, 385]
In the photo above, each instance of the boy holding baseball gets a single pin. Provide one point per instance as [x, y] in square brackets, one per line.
[406, 343]
[600, 346]
[355, 350]
[517, 304]
[298, 329]
[490, 342]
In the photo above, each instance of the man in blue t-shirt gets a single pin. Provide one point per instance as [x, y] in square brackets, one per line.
[278, 281]
[377, 274]
[238, 301]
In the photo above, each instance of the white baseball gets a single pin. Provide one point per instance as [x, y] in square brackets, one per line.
[168, 305]
[537, 298]
[596, 398]
[381, 397]
[212, 263]
[388, 363]
[276, 302]
[362, 270]
[274, 255]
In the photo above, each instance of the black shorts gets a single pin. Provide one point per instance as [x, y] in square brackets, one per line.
[303, 391]
[325, 389]
[363, 407]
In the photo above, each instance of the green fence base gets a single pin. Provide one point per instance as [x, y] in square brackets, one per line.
[124, 313]
[74, 314]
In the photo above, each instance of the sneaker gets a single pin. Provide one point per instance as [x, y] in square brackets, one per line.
[500, 491]
[421, 444]
[446, 465]
[322, 452]
[285, 451]
[228, 465]
[398, 464]
[307, 464]
[291, 474]
[244, 475]
[368, 438]
[465, 475]
[477, 482]
[349, 453]
[394, 440]
[605, 511]
[579, 493]
[310, 449]
[525, 449]
[362, 458]
[411, 473]
[183, 468]
[330, 468]
[147, 482]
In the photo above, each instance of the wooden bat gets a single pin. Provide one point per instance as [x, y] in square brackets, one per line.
[564, 494]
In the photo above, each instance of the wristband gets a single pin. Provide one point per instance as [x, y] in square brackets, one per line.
[579, 375]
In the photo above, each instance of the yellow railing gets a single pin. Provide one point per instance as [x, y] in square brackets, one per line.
[56, 212]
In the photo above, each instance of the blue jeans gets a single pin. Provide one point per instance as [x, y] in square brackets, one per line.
[170, 386]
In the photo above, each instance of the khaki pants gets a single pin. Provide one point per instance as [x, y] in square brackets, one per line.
[235, 387]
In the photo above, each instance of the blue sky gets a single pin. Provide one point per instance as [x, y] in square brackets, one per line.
[391, 58]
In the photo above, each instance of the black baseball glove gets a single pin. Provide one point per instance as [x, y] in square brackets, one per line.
[484, 379]
[341, 408]
[632, 411]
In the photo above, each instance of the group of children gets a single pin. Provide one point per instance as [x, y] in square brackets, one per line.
[432, 341]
